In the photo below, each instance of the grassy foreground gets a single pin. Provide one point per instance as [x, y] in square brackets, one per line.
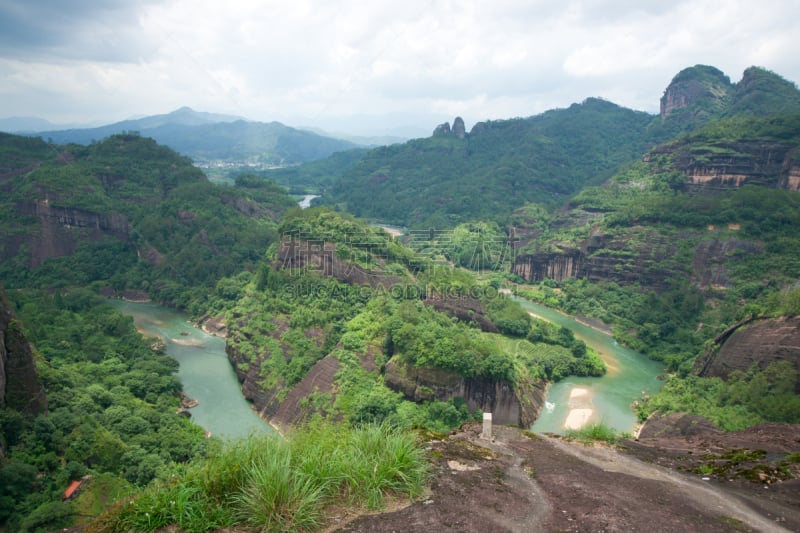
[276, 484]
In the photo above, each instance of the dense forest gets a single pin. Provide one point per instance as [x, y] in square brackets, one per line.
[675, 232]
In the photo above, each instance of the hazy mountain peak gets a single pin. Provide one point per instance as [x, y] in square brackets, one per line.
[185, 116]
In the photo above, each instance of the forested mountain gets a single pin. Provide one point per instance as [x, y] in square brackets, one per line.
[129, 212]
[211, 137]
[449, 178]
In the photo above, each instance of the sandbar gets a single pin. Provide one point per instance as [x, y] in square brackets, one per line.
[188, 342]
[577, 418]
[578, 392]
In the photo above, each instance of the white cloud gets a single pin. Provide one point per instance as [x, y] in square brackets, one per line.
[312, 62]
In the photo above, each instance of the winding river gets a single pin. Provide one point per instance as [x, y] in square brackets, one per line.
[204, 371]
[575, 401]
[208, 377]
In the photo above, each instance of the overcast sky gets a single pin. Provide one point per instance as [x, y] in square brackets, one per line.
[370, 66]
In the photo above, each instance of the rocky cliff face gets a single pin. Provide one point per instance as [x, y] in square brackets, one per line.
[59, 231]
[20, 388]
[734, 164]
[696, 87]
[712, 257]
[752, 342]
[509, 405]
[281, 405]
[284, 406]
[640, 255]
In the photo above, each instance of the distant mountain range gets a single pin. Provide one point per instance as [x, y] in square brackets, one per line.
[205, 137]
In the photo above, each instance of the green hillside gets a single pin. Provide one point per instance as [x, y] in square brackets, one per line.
[129, 213]
[675, 249]
[444, 180]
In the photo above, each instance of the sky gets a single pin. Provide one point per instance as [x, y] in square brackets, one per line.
[371, 67]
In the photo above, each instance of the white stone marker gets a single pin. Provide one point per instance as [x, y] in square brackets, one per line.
[486, 434]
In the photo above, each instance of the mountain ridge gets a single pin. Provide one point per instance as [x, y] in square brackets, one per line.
[207, 136]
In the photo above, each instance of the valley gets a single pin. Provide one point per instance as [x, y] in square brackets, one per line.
[375, 302]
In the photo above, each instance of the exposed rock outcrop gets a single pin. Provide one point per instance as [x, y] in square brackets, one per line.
[320, 379]
[248, 207]
[466, 309]
[274, 400]
[752, 342]
[442, 129]
[712, 256]
[459, 129]
[699, 86]
[60, 231]
[639, 256]
[214, 325]
[497, 397]
[734, 164]
[20, 387]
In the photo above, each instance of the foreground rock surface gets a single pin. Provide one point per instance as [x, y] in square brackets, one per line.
[520, 482]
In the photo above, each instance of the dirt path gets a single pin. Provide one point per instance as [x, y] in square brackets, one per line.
[520, 484]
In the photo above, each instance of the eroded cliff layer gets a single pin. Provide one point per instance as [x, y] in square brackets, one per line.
[518, 406]
[716, 165]
[752, 342]
[62, 228]
[640, 255]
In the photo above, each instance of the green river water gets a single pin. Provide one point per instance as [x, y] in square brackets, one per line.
[609, 397]
[204, 370]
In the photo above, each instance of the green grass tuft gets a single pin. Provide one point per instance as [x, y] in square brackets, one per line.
[598, 432]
